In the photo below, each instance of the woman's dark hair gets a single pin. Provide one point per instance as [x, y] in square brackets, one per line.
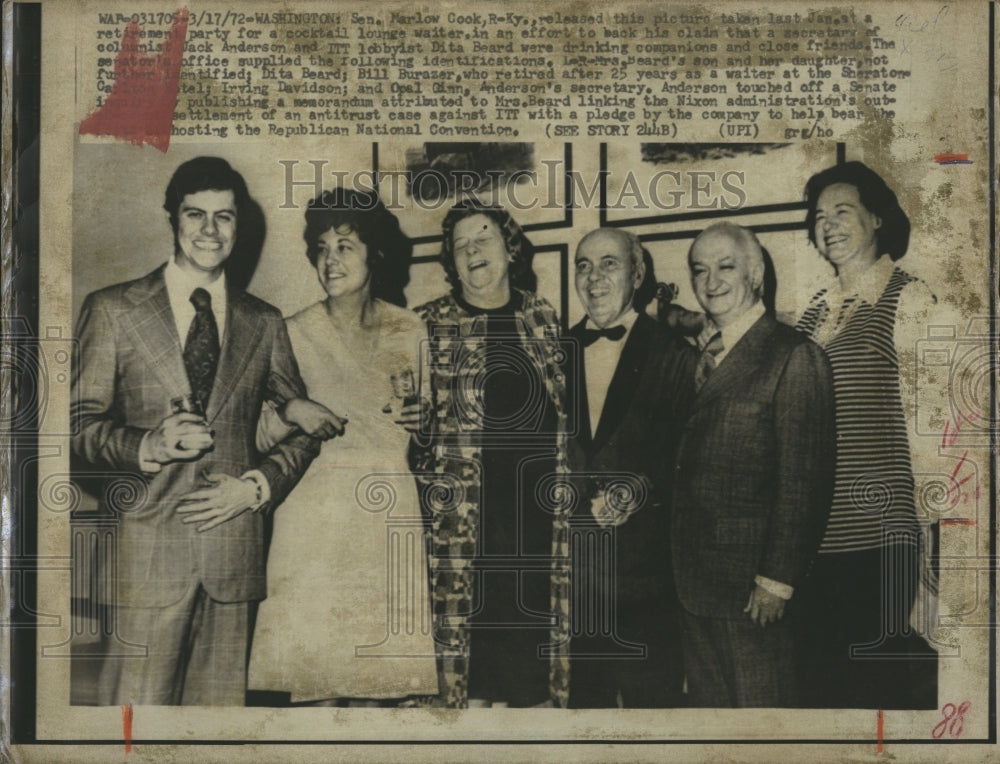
[893, 236]
[389, 249]
[518, 246]
[215, 174]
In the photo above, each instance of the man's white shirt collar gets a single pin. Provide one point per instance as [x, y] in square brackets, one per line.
[627, 319]
[602, 359]
[180, 284]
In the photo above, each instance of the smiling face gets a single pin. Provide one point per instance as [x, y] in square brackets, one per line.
[725, 275]
[481, 257]
[342, 263]
[606, 276]
[206, 231]
[845, 229]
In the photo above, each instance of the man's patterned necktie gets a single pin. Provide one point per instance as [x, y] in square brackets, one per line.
[201, 350]
[707, 362]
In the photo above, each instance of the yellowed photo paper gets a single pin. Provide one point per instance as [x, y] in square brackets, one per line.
[527, 381]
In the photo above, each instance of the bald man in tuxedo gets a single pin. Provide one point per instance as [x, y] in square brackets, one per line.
[632, 390]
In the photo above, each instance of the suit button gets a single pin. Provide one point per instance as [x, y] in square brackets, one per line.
[677, 468]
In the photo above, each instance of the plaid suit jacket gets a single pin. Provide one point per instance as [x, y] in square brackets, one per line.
[130, 368]
[754, 471]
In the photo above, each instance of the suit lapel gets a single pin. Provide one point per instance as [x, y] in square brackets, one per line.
[579, 391]
[626, 377]
[739, 363]
[244, 329]
[150, 326]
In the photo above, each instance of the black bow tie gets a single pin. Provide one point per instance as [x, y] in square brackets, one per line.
[614, 333]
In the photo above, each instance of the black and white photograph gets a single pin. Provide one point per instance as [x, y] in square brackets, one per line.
[426, 383]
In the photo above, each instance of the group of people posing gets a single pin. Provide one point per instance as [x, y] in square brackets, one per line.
[465, 506]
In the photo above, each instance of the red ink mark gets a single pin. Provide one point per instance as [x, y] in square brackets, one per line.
[952, 159]
[961, 461]
[956, 493]
[953, 722]
[127, 727]
[881, 730]
[957, 484]
[140, 106]
[950, 436]
[958, 521]
[960, 483]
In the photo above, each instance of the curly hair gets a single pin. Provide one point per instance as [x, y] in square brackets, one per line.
[518, 245]
[893, 236]
[389, 249]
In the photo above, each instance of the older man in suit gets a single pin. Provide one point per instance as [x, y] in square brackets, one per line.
[633, 388]
[754, 472]
[174, 368]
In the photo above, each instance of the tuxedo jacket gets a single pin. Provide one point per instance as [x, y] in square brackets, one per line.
[754, 471]
[646, 404]
[130, 367]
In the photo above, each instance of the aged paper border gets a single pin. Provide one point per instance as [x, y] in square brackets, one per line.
[434, 728]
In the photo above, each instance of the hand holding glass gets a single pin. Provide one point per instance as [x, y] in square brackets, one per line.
[404, 388]
[183, 435]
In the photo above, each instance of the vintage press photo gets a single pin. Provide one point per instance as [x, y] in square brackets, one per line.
[613, 381]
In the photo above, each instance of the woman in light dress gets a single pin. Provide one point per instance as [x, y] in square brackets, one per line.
[347, 615]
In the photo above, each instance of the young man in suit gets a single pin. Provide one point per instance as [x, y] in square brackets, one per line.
[174, 368]
[754, 474]
[633, 388]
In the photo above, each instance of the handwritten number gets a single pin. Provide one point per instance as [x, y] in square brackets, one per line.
[953, 722]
